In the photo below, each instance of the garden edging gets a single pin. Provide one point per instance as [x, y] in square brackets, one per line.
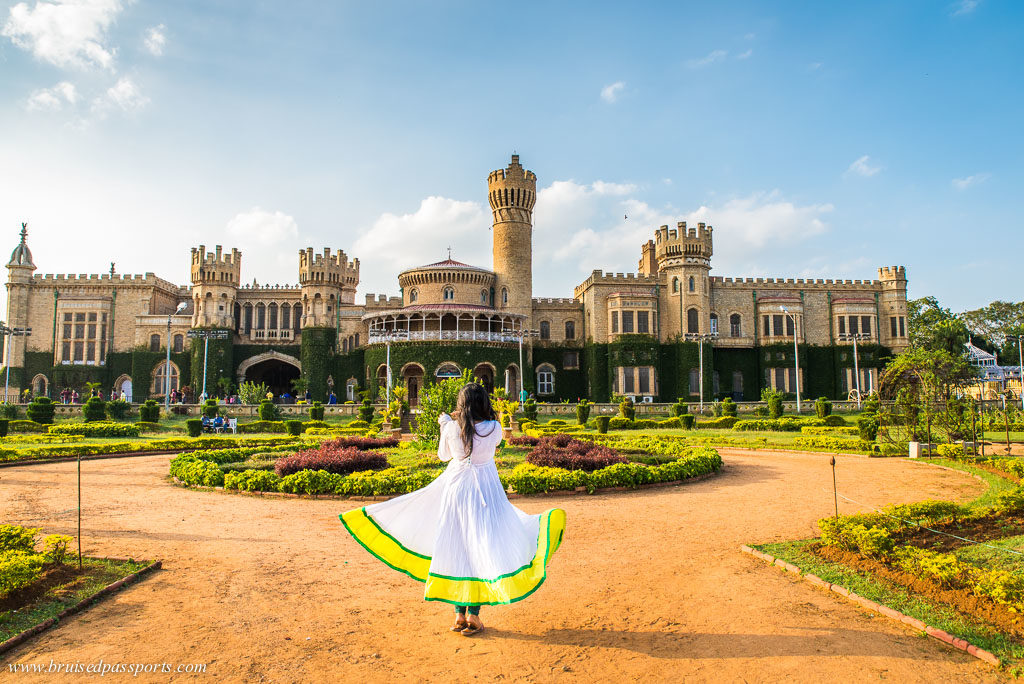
[111, 588]
[386, 497]
[93, 457]
[933, 632]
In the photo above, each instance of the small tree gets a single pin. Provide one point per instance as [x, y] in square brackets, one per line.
[40, 410]
[822, 407]
[150, 411]
[225, 385]
[118, 409]
[252, 393]
[95, 409]
[626, 409]
[729, 407]
[530, 409]
[438, 398]
[582, 411]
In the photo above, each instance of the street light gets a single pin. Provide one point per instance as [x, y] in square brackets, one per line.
[796, 354]
[9, 333]
[167, 363]
[856, 364]
[1020, 352]
[700, 358]
[519, 335]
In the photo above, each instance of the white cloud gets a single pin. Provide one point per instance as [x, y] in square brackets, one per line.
[603, 188]
[862, 167]
[262, 227]
[65, 33]
[745, 55]
[124, 95]
[964, 183]
[396, 242]
[610, 93]
[155, 40]
[965, 7]
[710, 58]
[52, 99]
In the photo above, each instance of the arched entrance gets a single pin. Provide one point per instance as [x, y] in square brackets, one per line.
[484, 374]
[123, 384]
[512, 387]
[275, 373]
[412, 376]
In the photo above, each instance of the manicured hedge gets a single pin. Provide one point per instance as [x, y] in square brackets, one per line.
[789, 424]
[16, 426]
[333, 459]
[832, 443]
[826, 430]
[723, 423]
[96, 429]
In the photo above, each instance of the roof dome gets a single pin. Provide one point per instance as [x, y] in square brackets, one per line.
[22, 256]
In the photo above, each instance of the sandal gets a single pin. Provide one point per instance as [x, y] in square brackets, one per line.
[459, 626]
[471, 630]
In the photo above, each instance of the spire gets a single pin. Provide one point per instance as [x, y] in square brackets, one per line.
[22, 256]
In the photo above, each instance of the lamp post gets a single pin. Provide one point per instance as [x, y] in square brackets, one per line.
[796, 354]
[700, 359]
[520, 335]
[206, 334]
[167, 363]
[856, 361]
[10, 333]
[1020, 355]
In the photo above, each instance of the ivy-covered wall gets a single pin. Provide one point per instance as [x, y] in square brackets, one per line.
[728, 361]
[595, 365]
[219, 362]
[432, 355]
[570, 383]
[317, 354]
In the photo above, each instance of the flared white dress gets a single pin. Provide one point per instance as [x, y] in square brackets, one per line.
[459, 534]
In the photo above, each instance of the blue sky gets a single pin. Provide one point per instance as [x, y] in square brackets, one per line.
[820, 139]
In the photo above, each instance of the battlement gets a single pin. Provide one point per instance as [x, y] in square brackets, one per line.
[683, 242]
[383, 301]
[555, 301]
[598, 277]
[329, 268]
[104, 279]
[215, 267]
[890, 273]
[719, 281]
[512, 188]
[513, 173]
[254, 287]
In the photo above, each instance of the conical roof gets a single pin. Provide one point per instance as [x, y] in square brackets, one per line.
[22, 256]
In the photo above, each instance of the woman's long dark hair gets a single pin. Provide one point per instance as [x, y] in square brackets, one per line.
[472, 406]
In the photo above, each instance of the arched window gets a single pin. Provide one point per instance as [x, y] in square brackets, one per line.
[545, 379]
[357, 339]
[261, 316]
[248, 318]
[154, 342]
[448, 370]
[179, 343]
[675, 285]
[504, 295]
[737, 382]
[545, 330]
[693, 286]
[735, 329]
[483, 297]
[39, 386]
[344, 345]
[714, 324]
[692, 321]
[286, 317]
[414, 294]
[570, 330]
[162, 373]
[237, 312]
[449, 294]
[272, 316]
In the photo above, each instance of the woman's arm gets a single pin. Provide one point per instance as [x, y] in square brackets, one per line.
[444, 451]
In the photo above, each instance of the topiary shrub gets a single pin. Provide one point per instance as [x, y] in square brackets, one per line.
[823, 407]
[582, 411]
[687, 422]
[94, 410]
[118, 409]
[3, 427]
[194, 427]
[268, 410]
[627, 410]
[294, 427]
[728, 408]
[150, 411]
[679, 409]
[775, 406]
[316, 411]
[602, 424]
[366, 411]
[834, 421]
[8, 410]
[530, 409]
[40, 410]
[210, 408]
[867, 425]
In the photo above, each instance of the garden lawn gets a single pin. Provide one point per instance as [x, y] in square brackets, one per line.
[97, 574]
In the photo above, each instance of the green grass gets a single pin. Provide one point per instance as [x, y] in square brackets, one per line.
[986, 557]
[100, 574]
[898, 598]
[996, 484]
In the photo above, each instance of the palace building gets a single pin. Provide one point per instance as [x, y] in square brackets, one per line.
[641, 334]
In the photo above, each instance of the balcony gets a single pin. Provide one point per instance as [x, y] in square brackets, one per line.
[379, 337]
[271, 336]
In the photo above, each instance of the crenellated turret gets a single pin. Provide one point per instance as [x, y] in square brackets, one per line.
[215, 280]
[683, 257]
[327, 281]
[512, 192]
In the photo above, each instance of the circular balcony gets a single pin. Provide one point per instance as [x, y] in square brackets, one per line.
[445, 323]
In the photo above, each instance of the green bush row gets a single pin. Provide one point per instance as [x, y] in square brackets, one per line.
[826, 430]
[832, 443]
[787, 424]
[95, 429]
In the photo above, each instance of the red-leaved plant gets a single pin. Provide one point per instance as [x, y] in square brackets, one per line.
[333, 458]
[562, 451]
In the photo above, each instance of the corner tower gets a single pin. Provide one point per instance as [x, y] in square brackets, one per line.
[215, 280]
[327, 281]
[19, 280]
[683, 259]
[892, 308]
[512, 192]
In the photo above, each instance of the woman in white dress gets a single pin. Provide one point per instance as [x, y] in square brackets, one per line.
[459, 534]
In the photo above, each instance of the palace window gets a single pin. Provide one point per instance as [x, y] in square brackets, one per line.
[545, 330]
[783, 379]
[865, 325]
[627, 321]
[675, 285]
[570, 360]
[692, 321]
[570, 330]
[694, 381]
[615, 321]
[504, 295]
[414, 294]
[642, 324]
[272, 315]
[449, 294]
[634, 380]
[693, 285]
[179, 343]
[162, 374]
[777, 325]
[483, 297]
[789, 327]
[154, 342]
[714, 324]
[545, 379]
[286, 317]
[735, 329]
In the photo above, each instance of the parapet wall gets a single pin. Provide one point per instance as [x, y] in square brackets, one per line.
[104, 280]
[718, 281]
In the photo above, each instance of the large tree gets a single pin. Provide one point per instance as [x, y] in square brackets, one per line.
[1000, 323]
[932, 327]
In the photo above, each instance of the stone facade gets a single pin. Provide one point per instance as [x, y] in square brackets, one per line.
[634, 333]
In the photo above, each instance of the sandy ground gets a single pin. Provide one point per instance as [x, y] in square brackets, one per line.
[647, 584]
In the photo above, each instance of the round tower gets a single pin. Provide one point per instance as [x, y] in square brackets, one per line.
[684, 258]
[19, 279]
[512, 192]
[327, 280]
[215, 280]
[892, 308]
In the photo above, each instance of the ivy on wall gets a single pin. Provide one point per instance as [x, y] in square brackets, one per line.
[595, 365]
[432, 355]
[220, 362]
[570, 383]
[316, 355]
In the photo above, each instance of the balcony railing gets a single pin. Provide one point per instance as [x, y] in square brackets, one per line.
[379, 337]
[271, 335]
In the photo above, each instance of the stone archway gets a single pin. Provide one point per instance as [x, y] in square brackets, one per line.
[271, 355]
[273, 368]
[412, 376]
[484, 374]
[124, 384]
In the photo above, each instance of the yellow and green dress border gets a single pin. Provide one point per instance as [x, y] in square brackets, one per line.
[462, 591]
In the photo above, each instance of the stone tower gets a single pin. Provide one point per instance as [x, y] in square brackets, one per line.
[327, 280]
[512, 192]
[683, 257]
[893, 304]
[215, 280]
[19, 278]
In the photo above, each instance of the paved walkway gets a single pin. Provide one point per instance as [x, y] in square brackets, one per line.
[647, 584]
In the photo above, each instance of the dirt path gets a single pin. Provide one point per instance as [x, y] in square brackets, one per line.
[647, 584]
